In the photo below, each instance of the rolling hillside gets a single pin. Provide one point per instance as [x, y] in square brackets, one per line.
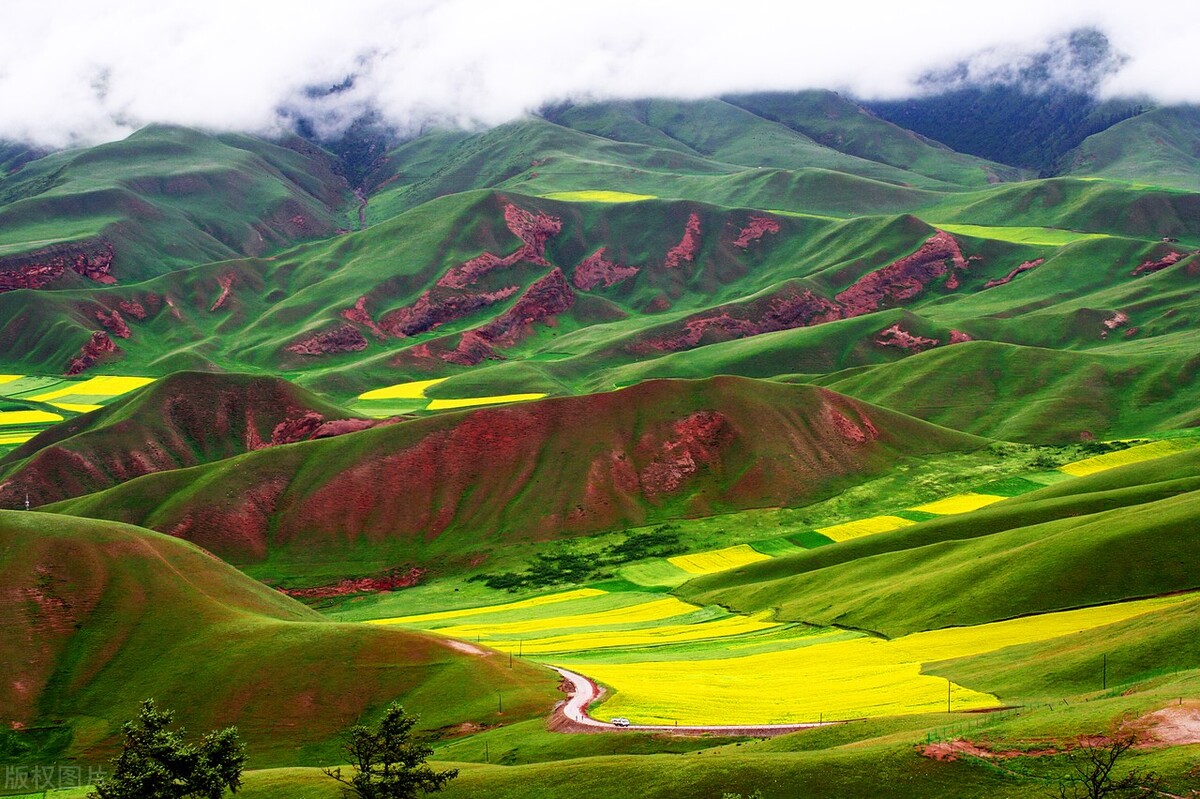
[99, 616]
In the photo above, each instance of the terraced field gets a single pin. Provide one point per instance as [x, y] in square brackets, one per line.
[31, 403]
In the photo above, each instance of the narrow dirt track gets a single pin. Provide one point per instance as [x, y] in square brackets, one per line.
[571, 716]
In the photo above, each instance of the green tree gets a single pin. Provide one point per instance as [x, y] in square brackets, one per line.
[157, 762]
[389, 762]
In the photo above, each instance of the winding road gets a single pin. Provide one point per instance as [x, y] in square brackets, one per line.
[571, 716]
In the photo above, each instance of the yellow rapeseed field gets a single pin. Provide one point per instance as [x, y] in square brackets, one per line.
[871, 526]
[9, 378]
[654, 610]
[717, 560]
[8, 418]
[75, 407]
[468, 402]
[837, 680]
[652, 636]
[412, 390]
[96, 387]
[960, 503]
[547, 599]
[1112, 460]
[597, 196]
[15, 438]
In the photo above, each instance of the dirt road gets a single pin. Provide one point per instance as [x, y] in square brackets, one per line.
[571, 716]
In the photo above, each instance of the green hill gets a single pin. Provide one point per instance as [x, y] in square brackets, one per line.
[450, 488]
[183, 420]
[1122, 534]
[99, 616]
[1160, 147]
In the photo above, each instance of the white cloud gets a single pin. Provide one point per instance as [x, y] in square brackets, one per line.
[76, 72]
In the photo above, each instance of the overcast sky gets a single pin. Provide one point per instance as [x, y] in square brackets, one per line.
[84, 72]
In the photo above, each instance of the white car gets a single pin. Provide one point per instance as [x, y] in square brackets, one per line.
[620, 722]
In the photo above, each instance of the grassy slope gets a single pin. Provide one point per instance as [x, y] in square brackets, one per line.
[167, 197]
[102, 615]
[1116, 535]
[1159, 147]
[452, 486]
[183, 420]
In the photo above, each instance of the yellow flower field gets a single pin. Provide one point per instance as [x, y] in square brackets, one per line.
[871, 526]
[1112, 460]
[9, 378]
[597, 196]
[717, 560]
[95, 387]
[665, 634]
[9, 418]
[655, 610]
[548, 599]
[960, 503]
[842, 679]
[469, 402]
[411, 390]
[14, 438]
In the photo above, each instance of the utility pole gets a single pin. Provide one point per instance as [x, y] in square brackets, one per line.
[487, 758]
[501, 695]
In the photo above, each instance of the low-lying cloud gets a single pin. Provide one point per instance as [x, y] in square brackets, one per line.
[81, 73]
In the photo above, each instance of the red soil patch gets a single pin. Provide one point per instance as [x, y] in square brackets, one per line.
[438, 306]
[226, 283]
[394, 580]
[1117, 320]
[853, 433]
[758, 227]
[114, 323]
[97, 347]
[958, 337]
[360, 315]
[596, 270]
[904, 279]
[694, 441]
[309, 426]
[1025, 267]
[688, 246]
[534, 230]
[545, 299]
[134, 309]
[1177, 725]
[899, 281]
[659, 304]
[789, 309]
[897, 336]
[35, 270]
[1170, 259]
[344, 338]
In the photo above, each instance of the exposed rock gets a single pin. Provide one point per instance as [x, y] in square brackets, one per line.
[113, 322]
[758, 227]
[226, 283]
[859, 433]
[532, 229]
[958, 337]
[903, 279]
[1170, 259]
[897, 336]
[99, 345]
[438, 306]
[472, 349]
[596, 270]
[1025, 267]
[394, 580]
[37, 269]
[688, 246]
[695, 441]
[134, 309]
[782, 312]
[549, 296]
[1118, 319]
[344, 338]
[360, 315]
